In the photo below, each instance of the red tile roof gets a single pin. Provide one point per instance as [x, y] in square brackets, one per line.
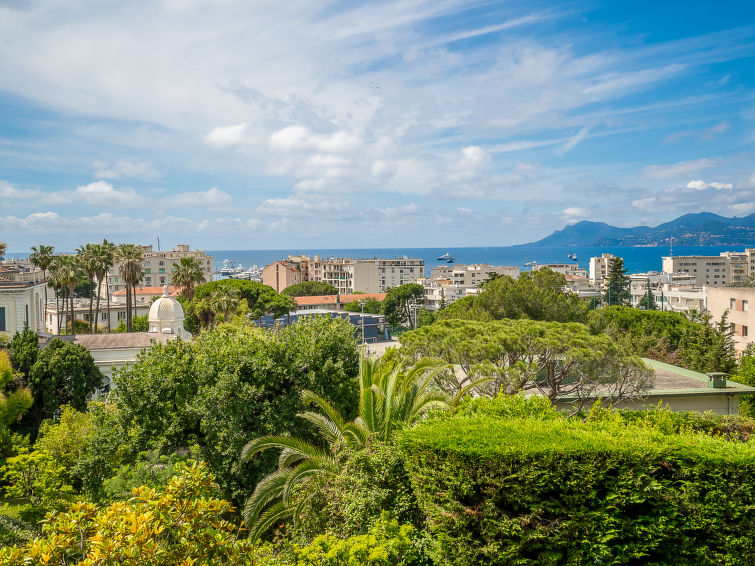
[317, 300]
[362, 297]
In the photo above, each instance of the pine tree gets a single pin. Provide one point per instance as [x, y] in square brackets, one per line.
[648, 301]
[617, 284]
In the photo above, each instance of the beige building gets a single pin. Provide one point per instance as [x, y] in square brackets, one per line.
[158, 266]
[436, 291]
[472, 274]
[351, 275]
[563, 269]
[22, 298]
[715, 271]
[282, 274]
[672, 291]
[398, 271]
[738, 304]
[599, 268]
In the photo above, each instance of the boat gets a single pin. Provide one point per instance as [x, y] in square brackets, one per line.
[574, 257]
[446, 257]
[530, 264]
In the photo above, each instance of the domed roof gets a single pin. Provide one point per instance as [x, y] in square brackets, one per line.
[166, 315]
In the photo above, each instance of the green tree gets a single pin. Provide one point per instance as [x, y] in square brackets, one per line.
[3, 247]
[14, 403]
[259, 298]
[105, 253]
[556, 359]
[66, 440]
[130, 257]
[371, 306]
[225, 301]
[64, 374]
[42, 257]
[186, 274]
[399, 302]
[233, 382]
[537, 295]
[69, 272]
[391, 397]
[23, 350]
[309, 289]
[648, 301]
[746, 376]
[34, 476]
[617, 283]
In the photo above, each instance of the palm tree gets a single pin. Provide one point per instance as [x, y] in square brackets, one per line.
[187, 273]
[42, 256]
[225, 301]
[3, 247]
[130, 256]
[56, 284]
[70, 273]
[391, 397]
[105, 259]
[89, 262]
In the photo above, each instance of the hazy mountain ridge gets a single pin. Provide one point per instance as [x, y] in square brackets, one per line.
[700, 229]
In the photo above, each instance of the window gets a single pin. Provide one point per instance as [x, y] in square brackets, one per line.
[162, 280]
[745, 305]
[26, 308]
[744, 330]
[162, 270]
[162, 263]
[2, 318]
[732, 304]
[148, 271]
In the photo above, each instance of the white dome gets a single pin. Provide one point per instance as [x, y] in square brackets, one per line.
[166, 315]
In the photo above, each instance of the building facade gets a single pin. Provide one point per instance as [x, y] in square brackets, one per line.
[738, 303]
[473, 274]
[22, 298]
[282, 274]
[599, 268]
[158, 266]
[714, 271]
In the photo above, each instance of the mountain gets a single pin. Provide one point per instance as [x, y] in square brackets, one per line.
[701, 229]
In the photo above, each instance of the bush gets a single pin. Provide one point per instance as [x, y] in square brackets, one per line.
[533, 486]
[387, 544]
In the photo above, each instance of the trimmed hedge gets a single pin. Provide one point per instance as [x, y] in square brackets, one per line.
[510, 481]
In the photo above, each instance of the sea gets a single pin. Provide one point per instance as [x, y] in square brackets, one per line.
[636, 259]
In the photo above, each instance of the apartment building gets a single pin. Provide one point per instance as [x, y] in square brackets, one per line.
[22, 298]
[672, 291]
[714, 271]
[599, 268]
[739, 305]
[282, 274]
[473, 274]
[398, 271]
[351, 275]
[563, 268]
[438, 291]
[158, 266]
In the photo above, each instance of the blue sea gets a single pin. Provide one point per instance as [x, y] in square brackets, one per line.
[636, 259]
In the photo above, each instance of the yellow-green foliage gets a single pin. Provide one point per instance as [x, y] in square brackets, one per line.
[387, 544]
[12, 405]
[182, 525]
[512, 481]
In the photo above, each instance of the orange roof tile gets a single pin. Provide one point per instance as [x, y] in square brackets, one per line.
[362, 296]
[317, 300]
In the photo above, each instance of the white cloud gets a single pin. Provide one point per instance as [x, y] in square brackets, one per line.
[700, 185]
[574, 213]
[103, 193]
[677, 169]
[573, 141]
[720, 128]
[125, 169]
[213, 199]
[227, 136]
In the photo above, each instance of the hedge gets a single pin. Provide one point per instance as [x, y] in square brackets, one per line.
[509, 481]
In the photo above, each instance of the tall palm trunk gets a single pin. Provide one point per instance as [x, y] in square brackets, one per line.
[107, 292]
[57, 307]
[73, 314]
[134, 303]
[97, 310]
[128, 307]
[91, 299]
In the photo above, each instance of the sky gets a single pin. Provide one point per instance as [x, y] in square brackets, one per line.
[316, 124]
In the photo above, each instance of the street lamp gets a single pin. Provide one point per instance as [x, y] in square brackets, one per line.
[361, 304]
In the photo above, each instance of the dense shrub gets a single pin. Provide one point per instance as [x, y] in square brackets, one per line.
[511, 481]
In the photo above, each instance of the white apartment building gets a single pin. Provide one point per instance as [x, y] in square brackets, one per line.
[563, 268]
[715, 271]
[473, 274]
[438, 290]
[599, 268]
[158, 266]
[22, 298]
[398, 271]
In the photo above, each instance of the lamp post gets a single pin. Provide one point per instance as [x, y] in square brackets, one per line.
[361, 304]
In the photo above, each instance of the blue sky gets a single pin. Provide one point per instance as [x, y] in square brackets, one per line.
[257, 125]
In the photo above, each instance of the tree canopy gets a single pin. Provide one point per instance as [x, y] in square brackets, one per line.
[617, 283]
[397, 306]
[537, 295]
[309, 289]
